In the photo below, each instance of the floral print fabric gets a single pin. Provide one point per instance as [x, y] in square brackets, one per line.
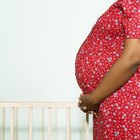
[119, 114]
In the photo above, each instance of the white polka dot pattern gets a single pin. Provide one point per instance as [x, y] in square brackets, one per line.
[119, 114]
[131, 18]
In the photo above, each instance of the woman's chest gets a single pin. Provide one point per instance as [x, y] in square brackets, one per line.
[110, 22]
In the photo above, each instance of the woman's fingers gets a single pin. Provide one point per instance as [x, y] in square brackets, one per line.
[80, 102]
[84, 109]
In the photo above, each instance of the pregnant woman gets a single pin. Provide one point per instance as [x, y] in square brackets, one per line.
[107, 70]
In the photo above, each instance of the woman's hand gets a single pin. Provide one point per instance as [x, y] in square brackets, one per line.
[86, 104]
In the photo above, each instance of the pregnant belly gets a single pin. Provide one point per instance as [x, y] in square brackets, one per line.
[90, 68]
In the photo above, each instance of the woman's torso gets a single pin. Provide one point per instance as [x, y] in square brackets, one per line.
[102, 47]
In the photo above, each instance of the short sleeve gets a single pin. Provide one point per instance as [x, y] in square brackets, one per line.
[131, 18]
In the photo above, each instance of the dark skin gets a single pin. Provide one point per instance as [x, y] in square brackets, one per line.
[120, 72]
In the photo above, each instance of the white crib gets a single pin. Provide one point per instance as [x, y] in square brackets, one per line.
[30, 106]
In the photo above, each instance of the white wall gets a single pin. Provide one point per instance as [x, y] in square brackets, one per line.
[39, 40]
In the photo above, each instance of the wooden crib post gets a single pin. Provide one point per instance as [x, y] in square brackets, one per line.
[16, 134]
[30, 113]
[68, 123]
[42, 123]
[49, 122]
[87, 127]
[3, 123]
[12, 123]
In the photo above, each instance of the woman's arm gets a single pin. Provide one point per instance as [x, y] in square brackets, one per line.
[120, 72]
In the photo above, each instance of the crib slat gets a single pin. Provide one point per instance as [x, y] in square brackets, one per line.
[49, 122]
[42, 123]
[56, 123]
[12, 123]
[83, 127]
[30, 113]
[3, 123]
[87, 127]
[68, 124]
[16, 136]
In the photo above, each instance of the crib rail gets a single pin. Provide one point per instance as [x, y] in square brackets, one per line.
[15, 106]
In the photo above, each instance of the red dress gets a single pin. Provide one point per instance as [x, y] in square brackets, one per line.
[119, 114]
